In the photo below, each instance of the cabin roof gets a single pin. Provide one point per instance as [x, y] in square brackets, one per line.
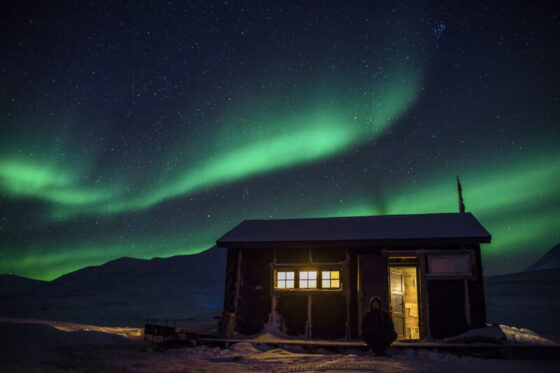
[370, 230]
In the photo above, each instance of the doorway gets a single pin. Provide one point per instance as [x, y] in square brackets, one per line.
[403, 287]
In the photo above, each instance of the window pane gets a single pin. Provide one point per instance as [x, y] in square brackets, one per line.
[396, 281]
[326, 275]
[312, 283]
[335, 283]
[312, 275]
[450, 264]
[326, 284]
[335, 274]
[303, 275]
[284, 280]
[397, 301]
[398, 322]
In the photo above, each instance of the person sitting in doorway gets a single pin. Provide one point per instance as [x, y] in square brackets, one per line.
[378, 330]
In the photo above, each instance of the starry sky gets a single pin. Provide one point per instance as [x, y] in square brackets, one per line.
[144, 129]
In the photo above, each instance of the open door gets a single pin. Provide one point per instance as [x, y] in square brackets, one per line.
[403, 286]
[397, 302]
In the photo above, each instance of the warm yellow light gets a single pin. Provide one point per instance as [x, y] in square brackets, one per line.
[331, 279]
[308, 279]
[285, 280]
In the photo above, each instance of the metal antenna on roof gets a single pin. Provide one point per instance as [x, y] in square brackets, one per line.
[460, 191]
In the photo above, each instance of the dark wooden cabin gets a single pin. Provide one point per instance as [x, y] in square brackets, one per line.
[318, 274]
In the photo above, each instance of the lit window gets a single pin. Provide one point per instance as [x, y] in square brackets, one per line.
[308, 280]
[285, 280]
[331, 279]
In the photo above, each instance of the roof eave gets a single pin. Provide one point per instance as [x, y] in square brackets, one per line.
[354, 243]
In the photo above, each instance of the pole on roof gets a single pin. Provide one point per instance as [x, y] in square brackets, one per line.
[460, 191]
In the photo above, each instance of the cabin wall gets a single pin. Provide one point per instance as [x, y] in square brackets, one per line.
[313, 313]
[372, 281]
[328, 255]
[448, 306]
[292, 255]
[355, 316]
[290, 306]
[456, 303]
[476, 293]
[292, 309]
[254, 298]
[446, 300]
[231, 280]
[330, 312]
[328, 315]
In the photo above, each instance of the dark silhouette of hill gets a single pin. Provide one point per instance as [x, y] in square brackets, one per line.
[12, 285]
[548, 261]
[132, 276]
[123, 291]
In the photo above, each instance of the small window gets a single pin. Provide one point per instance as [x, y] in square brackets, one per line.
[397, 281]
[330, 279]
[285, 280]
[308, 280]
[450, 264]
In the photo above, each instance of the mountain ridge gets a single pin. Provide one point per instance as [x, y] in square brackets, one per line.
[548, 261]
[123, 291]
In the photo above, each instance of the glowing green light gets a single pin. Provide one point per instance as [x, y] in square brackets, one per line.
[281, 142]
[517, 202]
[20, 179]
[44, 262]
[24, 178]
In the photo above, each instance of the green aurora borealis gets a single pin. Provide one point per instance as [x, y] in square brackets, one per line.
[153, 163]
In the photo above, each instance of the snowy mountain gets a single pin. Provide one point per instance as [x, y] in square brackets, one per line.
[123, 292]
[548, 261]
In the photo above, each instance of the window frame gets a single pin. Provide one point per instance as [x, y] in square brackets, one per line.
[330, 279]
[470, 274]
[319, 269]
[285, 280]
[308, 279]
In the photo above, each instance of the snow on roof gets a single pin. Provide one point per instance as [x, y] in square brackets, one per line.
[445, 226]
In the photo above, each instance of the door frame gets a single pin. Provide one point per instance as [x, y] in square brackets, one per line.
[409, 261]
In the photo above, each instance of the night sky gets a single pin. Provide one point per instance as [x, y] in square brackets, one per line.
[142, 130]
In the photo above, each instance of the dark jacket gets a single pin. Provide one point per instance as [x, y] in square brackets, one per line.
[378, 328]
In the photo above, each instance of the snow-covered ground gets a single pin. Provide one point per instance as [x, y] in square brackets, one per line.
[42, 348]
[502, 335]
